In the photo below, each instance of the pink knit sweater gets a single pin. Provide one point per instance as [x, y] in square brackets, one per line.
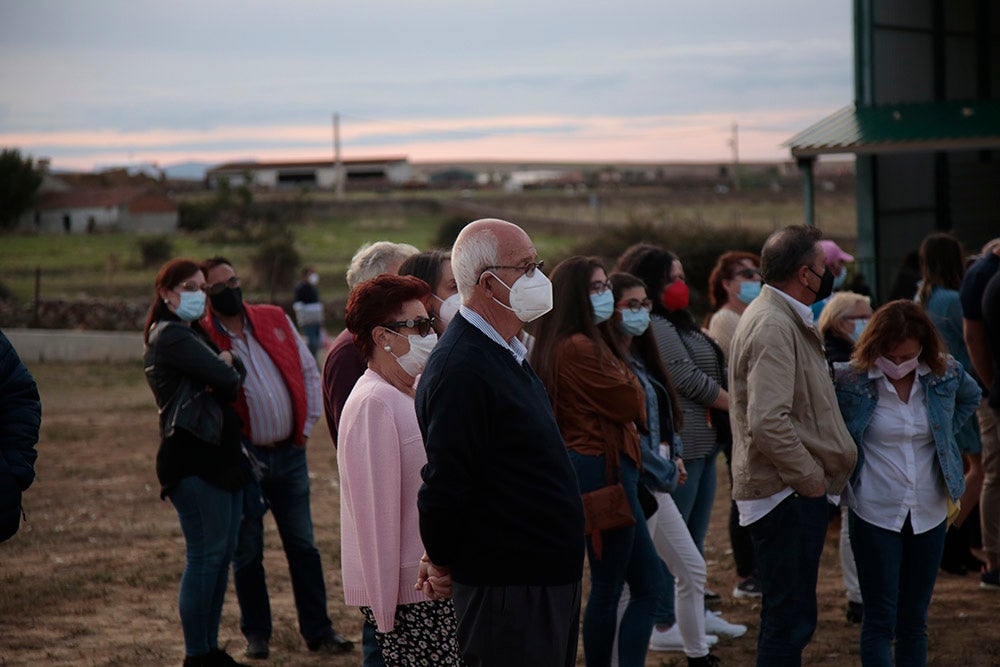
[380, 454]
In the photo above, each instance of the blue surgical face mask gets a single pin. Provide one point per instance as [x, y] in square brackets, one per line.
[749, 291]
[192, 306]
[603, 305]
[859, 326]
[840, 278]
[634, 322]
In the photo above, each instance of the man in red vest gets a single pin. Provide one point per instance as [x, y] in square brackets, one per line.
[279, 403]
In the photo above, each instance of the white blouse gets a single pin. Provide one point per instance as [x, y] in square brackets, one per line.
[901, 474]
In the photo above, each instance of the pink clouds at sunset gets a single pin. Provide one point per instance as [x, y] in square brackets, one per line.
[695, 137]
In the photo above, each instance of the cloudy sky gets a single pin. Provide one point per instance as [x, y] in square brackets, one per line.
[104, 82]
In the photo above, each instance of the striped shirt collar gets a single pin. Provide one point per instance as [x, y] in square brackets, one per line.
[514, 346]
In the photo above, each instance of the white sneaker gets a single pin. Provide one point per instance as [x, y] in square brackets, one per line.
[670, 640]
[715, 624]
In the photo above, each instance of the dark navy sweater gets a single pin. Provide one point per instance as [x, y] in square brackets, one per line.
[500, 503]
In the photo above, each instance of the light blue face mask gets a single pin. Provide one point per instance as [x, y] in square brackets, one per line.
[603, 305]
[840, 278]
[634, 322]
[749, 291]
[859, 326]
[192, 306]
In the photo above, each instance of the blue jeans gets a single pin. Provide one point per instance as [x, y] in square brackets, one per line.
[694, 500]
[896, 572]
[210, 518]
[285, 489]
[628, 555]
[371, 653]
[787, 543]
[313, 335]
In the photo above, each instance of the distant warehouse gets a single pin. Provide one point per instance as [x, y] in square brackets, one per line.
[359, 173]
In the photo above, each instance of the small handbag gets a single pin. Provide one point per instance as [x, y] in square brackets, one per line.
[606, 508]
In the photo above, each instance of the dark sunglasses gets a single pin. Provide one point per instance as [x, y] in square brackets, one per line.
[423, 325]
[219, 288]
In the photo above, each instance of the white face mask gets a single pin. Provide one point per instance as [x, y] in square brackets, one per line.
[898, 371]
[448, 309]
[413, 362]
[530, 296]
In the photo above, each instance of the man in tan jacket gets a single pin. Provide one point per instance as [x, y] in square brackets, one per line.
[790, 445]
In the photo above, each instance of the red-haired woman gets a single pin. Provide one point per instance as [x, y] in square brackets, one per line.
[735, 281]
[380, 455]
[200, 462]
[903, 399]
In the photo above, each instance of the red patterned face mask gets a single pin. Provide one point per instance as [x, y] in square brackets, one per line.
[676, 296]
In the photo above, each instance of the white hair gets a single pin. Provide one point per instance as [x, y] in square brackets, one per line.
[373, 259]
[471, 254]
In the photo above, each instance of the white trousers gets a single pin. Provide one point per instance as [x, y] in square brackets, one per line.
[674, 545]
[847, 565]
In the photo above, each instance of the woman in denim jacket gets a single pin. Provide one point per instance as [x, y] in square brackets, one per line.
[903, 399]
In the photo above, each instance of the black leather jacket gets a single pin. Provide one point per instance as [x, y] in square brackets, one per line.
[194, 390]
[180, 366]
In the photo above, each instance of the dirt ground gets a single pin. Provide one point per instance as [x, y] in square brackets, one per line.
[92, 578]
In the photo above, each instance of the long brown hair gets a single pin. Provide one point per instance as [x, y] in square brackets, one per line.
[572, 314]
[892, 323]
[942, 264]
[171, 274]
[644, 345]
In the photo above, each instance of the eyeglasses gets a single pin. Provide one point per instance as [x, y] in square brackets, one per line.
[599, 287]
[749, 274]
[635, 305]
[528, 269]
[423, 325]
[189, 286]
[219, 288]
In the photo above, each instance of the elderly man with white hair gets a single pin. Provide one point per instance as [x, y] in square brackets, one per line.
[500, 509]
[344, 363]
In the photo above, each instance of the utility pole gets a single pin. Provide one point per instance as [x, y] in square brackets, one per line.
[734, 143]
[338, 164]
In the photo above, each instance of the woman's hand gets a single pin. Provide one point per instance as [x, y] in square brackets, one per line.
[433, 580]
[226, 357]
[682, 473]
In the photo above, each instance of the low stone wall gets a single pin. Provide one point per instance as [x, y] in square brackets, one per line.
[36, 345]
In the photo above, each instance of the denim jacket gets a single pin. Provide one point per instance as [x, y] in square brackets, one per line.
[951, 400]
[658, 473]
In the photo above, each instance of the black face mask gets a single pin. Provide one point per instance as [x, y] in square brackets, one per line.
[229, 301]
[825, 284]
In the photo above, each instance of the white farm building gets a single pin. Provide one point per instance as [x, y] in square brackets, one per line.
[363, 173]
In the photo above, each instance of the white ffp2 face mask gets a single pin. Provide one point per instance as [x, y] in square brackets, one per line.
[413, 362]
[530, 296]
[448, 309]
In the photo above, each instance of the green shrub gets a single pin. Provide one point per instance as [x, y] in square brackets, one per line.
[155, 250]
[275, 263]
[448, 231]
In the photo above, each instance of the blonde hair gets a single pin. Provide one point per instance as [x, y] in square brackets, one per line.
[839, 305]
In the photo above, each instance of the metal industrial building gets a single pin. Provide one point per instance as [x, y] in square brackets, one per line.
[924, 127]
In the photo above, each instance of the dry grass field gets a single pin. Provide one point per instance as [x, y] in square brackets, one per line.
[92, 579]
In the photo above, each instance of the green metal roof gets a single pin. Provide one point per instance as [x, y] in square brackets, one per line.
[895, 128]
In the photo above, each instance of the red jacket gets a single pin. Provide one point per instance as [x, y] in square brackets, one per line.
[272, 330]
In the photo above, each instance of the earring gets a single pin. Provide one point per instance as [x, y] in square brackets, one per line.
[166, 302]
[387, 348]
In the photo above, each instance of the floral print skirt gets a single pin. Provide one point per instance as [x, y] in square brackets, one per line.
[424, 633]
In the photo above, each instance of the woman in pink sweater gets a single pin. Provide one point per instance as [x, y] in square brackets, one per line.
[380, 455]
